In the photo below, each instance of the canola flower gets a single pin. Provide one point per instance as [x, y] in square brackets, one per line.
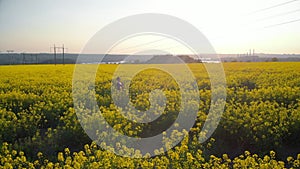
[39, 127]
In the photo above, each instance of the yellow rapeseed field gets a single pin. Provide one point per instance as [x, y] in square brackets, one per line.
[259, 128]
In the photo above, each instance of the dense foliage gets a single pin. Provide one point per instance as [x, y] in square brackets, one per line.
[39, 127]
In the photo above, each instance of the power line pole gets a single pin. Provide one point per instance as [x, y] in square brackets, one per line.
[54, 55]
[63, 49]
[23, 58]
[55, 49]
[32, 58]
[12, 56]
[54, 52]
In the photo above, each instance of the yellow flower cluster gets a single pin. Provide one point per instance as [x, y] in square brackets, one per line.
[38, 120]
[93, 157]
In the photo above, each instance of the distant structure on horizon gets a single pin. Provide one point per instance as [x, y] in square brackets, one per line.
[11, 58]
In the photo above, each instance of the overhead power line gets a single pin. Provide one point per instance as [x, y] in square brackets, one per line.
[278, 15]
[282, 23]
[142, 44]
[274, 6]
[260, 10]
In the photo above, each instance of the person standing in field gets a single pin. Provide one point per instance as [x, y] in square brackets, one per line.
[119, 84]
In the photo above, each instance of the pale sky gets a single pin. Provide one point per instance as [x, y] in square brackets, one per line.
[232, 26]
